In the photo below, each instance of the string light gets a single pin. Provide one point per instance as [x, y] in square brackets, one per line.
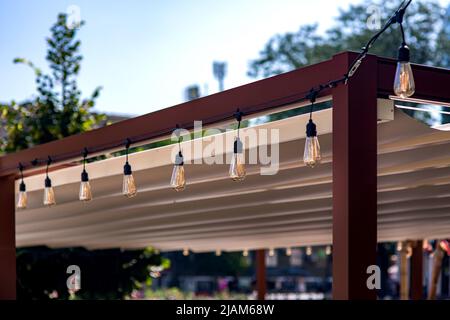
[178, 180]
[218, 253]
[49, 193]
[404, 87]
[185, 252]
[22, 198]
[312, 155]
[328, 250]
[85, 186]
[128, 186]
[399, 246]
[245, 253]
[308, 251]
[271, 252]
[237, 166]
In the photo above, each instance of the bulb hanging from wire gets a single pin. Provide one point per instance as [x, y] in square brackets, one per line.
[85, 187]
[237, 167]
[312, 155]
[129, 186]
[178, 179]
[404, 86]
[49, 193]
[22, 197]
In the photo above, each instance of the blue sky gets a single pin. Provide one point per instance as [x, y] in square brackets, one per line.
[145, 53]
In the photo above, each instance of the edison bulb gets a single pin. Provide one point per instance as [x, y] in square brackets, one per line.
[85, 191]
[85, 187]
[404, 81]
[129, 187]
[311, 155]
[178, 180]
[49, 196]
[22, 198]
[237, 167]
[404, 86]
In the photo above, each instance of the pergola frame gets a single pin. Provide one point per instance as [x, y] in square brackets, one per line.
[354, 153]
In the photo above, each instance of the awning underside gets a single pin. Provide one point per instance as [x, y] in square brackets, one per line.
[290, 208]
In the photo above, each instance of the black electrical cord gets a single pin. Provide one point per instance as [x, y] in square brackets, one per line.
[397, 17]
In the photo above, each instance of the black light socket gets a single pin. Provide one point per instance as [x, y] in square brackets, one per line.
[127, 169]
[84, 176]
[22, 187]
[179, 161]
[238, 146]
[311, 130]
[48, 182]
[403, 53]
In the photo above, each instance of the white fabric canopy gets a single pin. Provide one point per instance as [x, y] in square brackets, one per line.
[290, 208]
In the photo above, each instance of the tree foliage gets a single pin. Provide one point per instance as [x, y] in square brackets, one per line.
[426, 27]
[57, 110]
[105, 274]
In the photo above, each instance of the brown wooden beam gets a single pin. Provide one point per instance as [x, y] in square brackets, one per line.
[416, 265]
[251, 98]
[431, 83]
[7, 239]
[261, 285]
[354, 180]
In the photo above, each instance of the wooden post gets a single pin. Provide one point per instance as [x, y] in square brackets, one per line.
[354, 179]
[417, 270]
[7, 239]
[404, 290]
[261, 285]
[437, 267]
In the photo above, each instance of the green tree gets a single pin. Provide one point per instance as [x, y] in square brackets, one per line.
[426, 28]
[57, 111]
[105, 274]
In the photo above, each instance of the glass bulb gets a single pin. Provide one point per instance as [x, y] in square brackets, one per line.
[312, 155]
[404, 81]
[49, 196]
[85, 191]
[129, 187]
[288, 252]
[178, 180]
[22, 200]
[237, 167]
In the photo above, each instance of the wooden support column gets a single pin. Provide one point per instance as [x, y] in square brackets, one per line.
[354, 179]
[261, 286]
[417, 271]
[7, 239]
